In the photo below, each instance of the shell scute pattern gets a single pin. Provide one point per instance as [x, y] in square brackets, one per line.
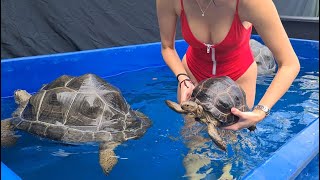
[218, 96]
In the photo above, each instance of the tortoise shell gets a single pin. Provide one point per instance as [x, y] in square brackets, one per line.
[81, 109]
[264, 58]
[218, 95]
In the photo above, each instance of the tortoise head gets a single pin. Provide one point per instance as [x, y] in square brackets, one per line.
[189, 106]
[194, 110]
[21, 97]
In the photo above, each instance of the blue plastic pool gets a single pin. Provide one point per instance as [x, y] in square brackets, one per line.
[145, 83]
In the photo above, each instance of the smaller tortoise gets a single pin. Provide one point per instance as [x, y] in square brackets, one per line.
[211, 103]
[74, 110]
[264, 58]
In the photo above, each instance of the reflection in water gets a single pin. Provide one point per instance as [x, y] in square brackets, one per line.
[226, 172]
[309, 86]
[193, 163]
[203, 156]
[195, 159]
[308, 82]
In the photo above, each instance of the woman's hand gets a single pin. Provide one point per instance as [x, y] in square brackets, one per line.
[186, 88]
[246, 120]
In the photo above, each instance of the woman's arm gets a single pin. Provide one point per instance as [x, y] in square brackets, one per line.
[264, 17]
[167, 19]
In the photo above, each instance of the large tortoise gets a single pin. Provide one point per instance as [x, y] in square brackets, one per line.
[78, 109]
[211, 103]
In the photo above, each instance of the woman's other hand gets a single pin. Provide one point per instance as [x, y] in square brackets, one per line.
[246, 119]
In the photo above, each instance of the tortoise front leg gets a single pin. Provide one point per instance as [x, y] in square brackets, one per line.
[8, 137]
[107, 157]
[214, 135]
[175, 106]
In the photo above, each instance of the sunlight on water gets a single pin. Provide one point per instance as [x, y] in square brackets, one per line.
[174, 147]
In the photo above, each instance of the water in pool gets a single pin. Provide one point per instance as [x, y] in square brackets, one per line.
[173, 148]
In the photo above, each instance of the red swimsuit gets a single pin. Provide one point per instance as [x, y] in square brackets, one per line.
[232, 57]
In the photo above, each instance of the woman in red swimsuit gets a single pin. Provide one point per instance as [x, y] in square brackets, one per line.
[218, 33]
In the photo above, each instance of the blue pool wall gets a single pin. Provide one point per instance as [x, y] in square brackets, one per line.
[8, 174]
[289, 160]
[30, 73]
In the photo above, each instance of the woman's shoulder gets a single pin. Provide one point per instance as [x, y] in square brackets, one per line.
[174, 5]
[251, 9]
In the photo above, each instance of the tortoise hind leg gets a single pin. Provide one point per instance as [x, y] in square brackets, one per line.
[107, 157]
[8, 137]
